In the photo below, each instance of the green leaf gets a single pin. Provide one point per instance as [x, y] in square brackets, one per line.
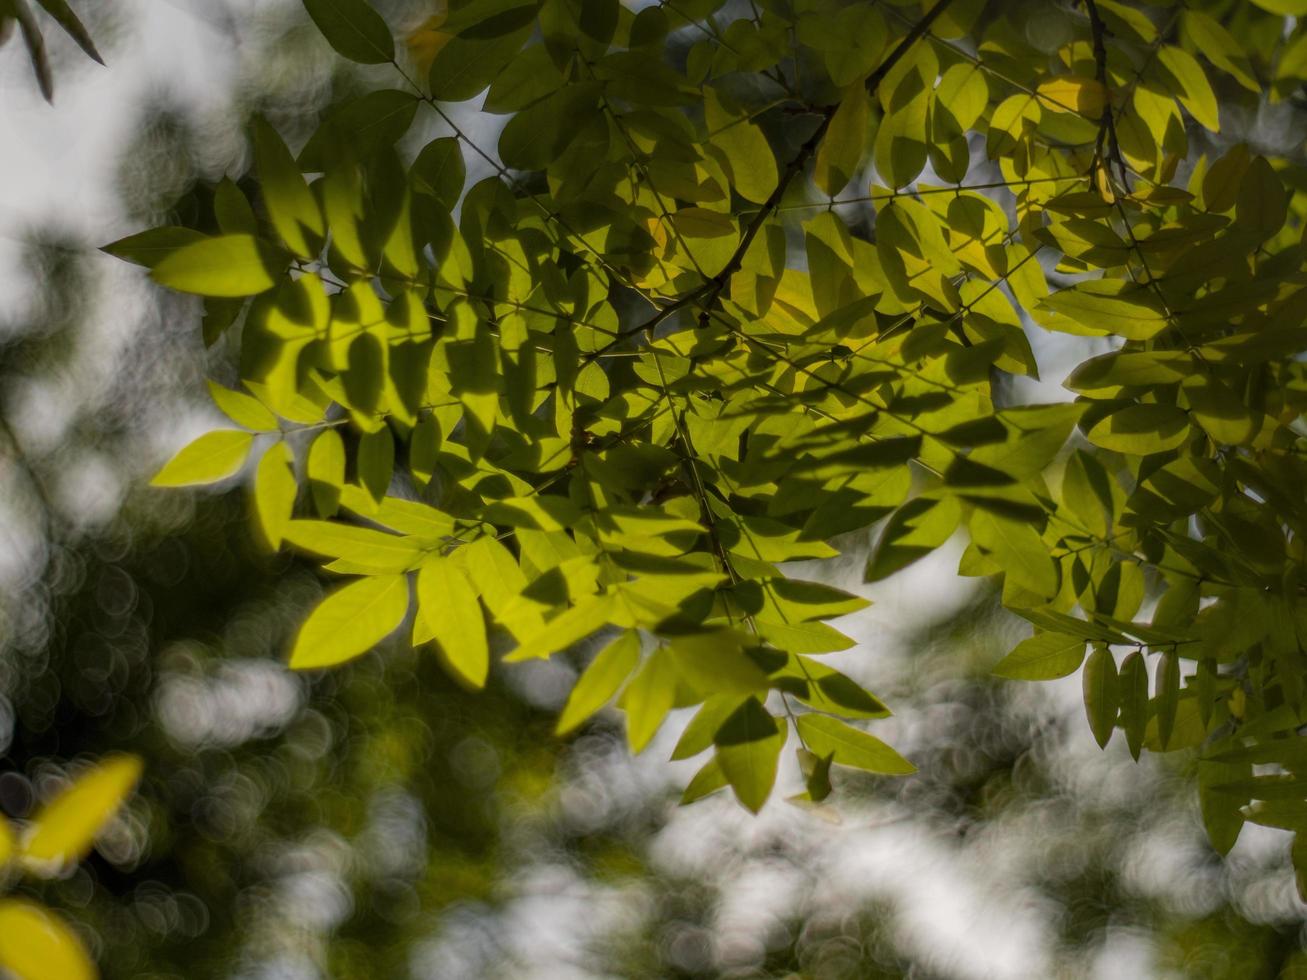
[1205, 34]
[359, 128]
[65, 18]
[841, 150]
[600, 681]
[242, 409]
[212, 457]
[749, 157]
[291, 207]
[1221, 811]
[1102, 694]
[451, 615]
[376, 461]
[350, 621]
[913, 531]
[816, 774]
[901, 139]
[1102, 306]
[354, 29]
[326, 471]
[851, 746]
[1195, 91]
[1141, 429]
[1043, 657]
[229, 265]
[375, 551]
[1019, 551]
[706, 781]
[232, 209]
[149, 248]
[648, 699]
[712, 714]
[1168, 696]
[1224, 179]
[35, 944]
[465, 65]
[1263, 204]
[749, 745]
[1285, 8]
[62, 831]
[1134, 701]
[274, 494]
[715, 663]
[440, 172]
[589, 614]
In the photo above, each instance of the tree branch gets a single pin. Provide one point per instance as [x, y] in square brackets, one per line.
[708, 293]
[1107, 122]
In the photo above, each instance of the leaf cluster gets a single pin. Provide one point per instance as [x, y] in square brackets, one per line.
[738, 290]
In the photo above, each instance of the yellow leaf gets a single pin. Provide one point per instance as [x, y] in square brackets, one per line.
[212, 457]
[6, 842]
[36, 945]
[1068, 93]
[846, 137]
[274, 493]
[64, 829]
[425, 42]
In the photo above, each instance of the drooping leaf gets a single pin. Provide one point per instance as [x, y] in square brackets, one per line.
[450, 614]
[600, 680]
[326, 471]
[274, 493]
[1102, 693]
[748, 745]
[648, 698]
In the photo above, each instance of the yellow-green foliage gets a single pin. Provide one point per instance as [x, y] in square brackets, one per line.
[740, 287]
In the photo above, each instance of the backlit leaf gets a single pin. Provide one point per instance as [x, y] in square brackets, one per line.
[212, 457]
[274, 493]
[600, 680]
[350, 621]
[61, 833]
[35, 944]
[1043, 657]
[229, 265]
[851, 746]
[448, 608]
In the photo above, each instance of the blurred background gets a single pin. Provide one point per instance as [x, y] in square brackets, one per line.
[379, 822]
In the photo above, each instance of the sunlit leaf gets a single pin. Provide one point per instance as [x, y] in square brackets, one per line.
[350, 621]
[274, 493]
[62, 831]
[212, 457]
[600, 680]
[229, 265]
[851, 746]
[36, 945]
[451, 615]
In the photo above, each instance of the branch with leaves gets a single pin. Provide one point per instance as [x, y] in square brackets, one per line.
[481, 408]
